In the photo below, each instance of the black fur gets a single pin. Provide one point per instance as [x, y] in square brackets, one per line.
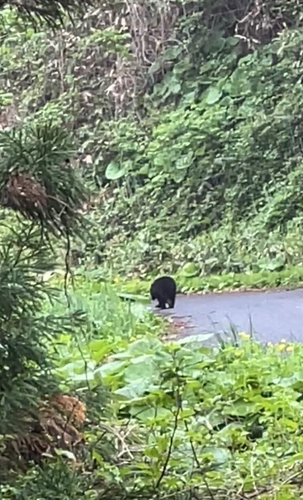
[164, 290]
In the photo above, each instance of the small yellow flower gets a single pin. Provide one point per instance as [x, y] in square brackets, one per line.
[244, 336]
[290, 348]
[280, 347]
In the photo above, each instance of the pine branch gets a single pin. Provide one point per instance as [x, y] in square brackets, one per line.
[51, 11]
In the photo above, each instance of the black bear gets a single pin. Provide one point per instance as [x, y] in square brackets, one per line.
[164, 290]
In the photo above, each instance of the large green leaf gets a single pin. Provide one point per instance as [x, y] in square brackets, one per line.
[114, 171]
[213, 95]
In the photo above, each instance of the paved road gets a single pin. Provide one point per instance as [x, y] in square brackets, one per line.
[272, 315]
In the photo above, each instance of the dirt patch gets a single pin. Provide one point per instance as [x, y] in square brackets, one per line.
[180, 327]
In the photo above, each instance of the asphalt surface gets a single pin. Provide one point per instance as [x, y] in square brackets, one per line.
[270, 316]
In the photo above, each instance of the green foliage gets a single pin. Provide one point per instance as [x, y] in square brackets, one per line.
[40, 150]
[23, 355]
[50, 11]
[217, 179]
[290, 277]
[33, 154]
[109, 323]
[193, 140]
[217, 148]
[57, 480]
[202, 411]
[26, 254]
[223, 154]
[184, 417]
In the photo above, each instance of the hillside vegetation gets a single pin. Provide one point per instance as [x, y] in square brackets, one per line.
[188, 122]
[151, 135]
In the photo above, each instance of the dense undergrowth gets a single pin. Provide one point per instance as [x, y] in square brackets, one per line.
[170, 419]
[187, 122]
[188, 130]
[164, 418]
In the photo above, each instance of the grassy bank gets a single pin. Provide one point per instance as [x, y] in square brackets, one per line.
[289, 278]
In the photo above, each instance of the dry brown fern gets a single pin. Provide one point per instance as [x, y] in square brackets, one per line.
[57, 425]
[24, 194]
